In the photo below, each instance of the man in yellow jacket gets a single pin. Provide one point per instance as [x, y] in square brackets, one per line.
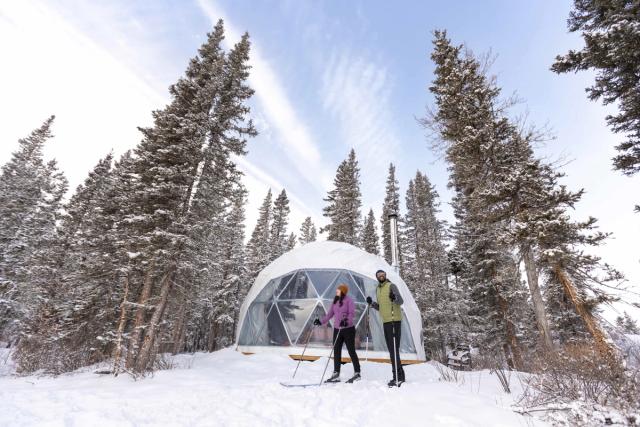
[388, 305]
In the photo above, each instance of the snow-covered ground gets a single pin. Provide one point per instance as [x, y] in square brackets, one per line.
[227, 388]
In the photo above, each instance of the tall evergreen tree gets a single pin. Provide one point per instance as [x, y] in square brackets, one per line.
[426, 269]
[278, 237]
[343, 204]
[73, 324]
[215, 129]
[369, 238]
[291, 241]
[228, 295]
[467, 121]
[507, 200]
[31, 192]
[611, 32]
[390, 205]
[308, 232]
[258, 249]
[175, 196]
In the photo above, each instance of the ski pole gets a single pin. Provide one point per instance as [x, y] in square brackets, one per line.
[330, 354]
[303, 350]
[366, 346]
[393, 334]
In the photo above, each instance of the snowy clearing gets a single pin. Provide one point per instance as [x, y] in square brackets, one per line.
[227, 388]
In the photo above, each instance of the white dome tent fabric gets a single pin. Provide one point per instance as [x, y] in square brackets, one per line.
[278, 312]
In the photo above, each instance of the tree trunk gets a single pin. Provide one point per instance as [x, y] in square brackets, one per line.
[178, 331]
[144, 355]
[134, 343]
[121, 324]
[605, 349]
[212, 335]
[510, 334]
[536, 297]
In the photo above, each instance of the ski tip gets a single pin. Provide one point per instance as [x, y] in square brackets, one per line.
[299, 385]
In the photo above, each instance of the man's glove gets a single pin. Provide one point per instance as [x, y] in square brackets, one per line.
[317, 322]
[343, 323]
[392, 296]
[369, 300]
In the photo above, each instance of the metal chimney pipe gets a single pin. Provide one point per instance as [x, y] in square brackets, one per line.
[393, 225]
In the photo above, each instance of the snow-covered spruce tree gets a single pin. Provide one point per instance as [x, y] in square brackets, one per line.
[82, 299]
[510, 194]
[611, 32]
[204, 311]
[580, 277]
[369, 239]
[278, 238]
[390, 205]
[426, 269]
[258, 250]
[166, 166]
[230, 273]
[344, 203]
[291, 241]
[470, 127]
[308, 232]
[31, 192]
[216, 214]
[174, 193]
[536, 205]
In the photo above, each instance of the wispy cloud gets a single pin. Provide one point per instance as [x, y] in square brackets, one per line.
[49, 67]
[295, 138]
[99, 97]
[356, 91]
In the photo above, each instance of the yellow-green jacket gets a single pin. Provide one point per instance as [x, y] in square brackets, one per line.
[384, 304]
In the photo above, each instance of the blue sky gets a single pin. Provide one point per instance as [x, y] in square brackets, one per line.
[328, 76]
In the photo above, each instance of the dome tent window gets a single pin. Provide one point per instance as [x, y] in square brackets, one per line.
[278, 312]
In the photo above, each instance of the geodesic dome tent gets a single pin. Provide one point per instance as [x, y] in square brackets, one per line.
[278, 312]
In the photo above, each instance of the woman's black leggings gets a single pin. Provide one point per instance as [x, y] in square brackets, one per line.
[347, 336]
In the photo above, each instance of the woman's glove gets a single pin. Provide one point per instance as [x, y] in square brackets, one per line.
[317, 322]
[369, 300]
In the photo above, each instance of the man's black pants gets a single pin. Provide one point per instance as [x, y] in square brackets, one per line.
[389, 328]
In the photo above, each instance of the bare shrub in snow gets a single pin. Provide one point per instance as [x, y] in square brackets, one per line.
[578, 378]
[448, 374]
[504, 376]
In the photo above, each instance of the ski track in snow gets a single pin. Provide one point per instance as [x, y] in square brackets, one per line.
[227, 388]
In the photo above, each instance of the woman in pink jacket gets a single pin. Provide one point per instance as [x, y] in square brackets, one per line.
[344, 332]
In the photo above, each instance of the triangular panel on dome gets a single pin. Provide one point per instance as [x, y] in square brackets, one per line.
[295, 314]
[366, 285]
[406, 341]
[299, 287]
[281, 282]
[266, 294]
[274, 333]
[320, 336]
[375, 332]
[322, 279]
[254, 324]
[354, 291]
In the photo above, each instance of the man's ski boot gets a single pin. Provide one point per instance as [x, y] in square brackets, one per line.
[394, 383]
[335, 378]
[354, 378]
